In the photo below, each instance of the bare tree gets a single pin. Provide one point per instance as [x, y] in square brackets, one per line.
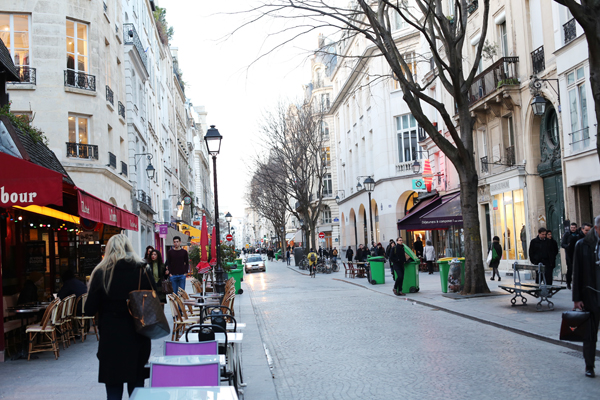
[295, 167]
[587, 15]
[445, 36]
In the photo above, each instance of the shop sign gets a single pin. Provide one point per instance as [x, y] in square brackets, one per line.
[495, 205]
[163, 230]
[36, 256]
[418, 185]
[505, 186]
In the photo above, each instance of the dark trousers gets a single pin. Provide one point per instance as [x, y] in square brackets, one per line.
[399, 271]
[429, 266]
[569, 272]
[115, 392]
[589, 347]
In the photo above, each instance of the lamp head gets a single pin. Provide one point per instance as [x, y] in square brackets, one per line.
[150, 171]
[213, 141]
[369, 184]
[538, 105]
[416, 167]
[228, 217]
[358, 187]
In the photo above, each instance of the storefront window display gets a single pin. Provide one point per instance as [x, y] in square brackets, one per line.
[508, 216]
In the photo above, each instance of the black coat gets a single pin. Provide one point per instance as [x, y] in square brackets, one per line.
[584, 272]
[360, 255]
[122, 352]
[162, 296]
[538, 251]
[495, 263]
[418, 245]
[398, 256]
[573, 239]
[349, 253]
[552, 252]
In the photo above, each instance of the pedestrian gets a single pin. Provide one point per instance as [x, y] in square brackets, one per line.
[388, 249]
[373, 250]
[359, 253]
[538, 250]
[349, 254]
[566, 239]
[122, 352]
[71, 285]
[418, 245]
[312, 262]
[586, 288]
[334, 254]
[178, 263]
[573, 239]
[552, 253]
[147, 254]
[429, 254]
[159, 273]
[496, 257]
[287, 255]
[398, 257]
[380, 250]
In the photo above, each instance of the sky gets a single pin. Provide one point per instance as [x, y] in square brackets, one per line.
[223, 72]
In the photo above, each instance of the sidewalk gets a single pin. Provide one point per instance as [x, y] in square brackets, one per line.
[493, 310]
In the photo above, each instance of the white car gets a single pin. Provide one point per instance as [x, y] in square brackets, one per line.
[254, 262]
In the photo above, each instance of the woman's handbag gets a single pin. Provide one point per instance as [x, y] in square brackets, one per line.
[167, 286]
[147, 311]
[576, 326]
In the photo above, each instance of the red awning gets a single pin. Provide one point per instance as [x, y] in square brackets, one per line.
[98, 210]
[23, 183]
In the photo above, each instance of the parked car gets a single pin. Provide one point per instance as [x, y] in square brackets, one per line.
[254, 262]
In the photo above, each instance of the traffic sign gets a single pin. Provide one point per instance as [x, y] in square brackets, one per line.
[229, 237]
[321, 235]
[247, 245]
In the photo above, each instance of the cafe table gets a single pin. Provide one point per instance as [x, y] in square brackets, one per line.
[360, 266]
[185, 393]
[25, 312]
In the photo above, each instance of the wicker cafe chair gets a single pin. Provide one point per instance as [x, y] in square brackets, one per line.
[70, 311]
[44, 333]
[186, 314]
[82, 320]
[179, 322]
[59, 322]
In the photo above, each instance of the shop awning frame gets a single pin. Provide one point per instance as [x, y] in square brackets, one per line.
[412, 220]
[447, 214]
[97, 210]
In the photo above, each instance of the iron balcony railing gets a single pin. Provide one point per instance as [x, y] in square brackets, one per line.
[570, 30]
[472, 6]
[144, 198]
[121, 110]
[502, 72]
[580, 139]
[123, 168]
[112, 160]
[484, 165]
[537, 60]
[131, 37]
[26, 75]
[80, 80]
[510, 156]
[78, 150]
[110, 97]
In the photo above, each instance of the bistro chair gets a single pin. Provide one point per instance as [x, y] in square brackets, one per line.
[44, 333]
[208, 348]
[60, 323]
[179, 323]
[68, 320]
[185, 372]
[82, 320]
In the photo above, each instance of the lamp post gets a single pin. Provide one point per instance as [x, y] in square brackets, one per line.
[150, 171]
[213, 144]
[369, 187]
[228, 218]
[539, 102]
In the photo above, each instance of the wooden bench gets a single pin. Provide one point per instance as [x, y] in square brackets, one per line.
[540, 291]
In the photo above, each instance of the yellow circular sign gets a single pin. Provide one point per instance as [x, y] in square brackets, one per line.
[247, 246]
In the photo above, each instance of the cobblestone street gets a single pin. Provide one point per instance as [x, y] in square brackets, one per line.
[330, 339]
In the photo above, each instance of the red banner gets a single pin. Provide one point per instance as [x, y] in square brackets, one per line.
[23, 183]
[127, 220]
[95, 209]
[89, 207]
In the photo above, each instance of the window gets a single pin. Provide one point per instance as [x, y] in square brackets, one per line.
[397, 21]
[411, 63]
[580, 135]
[503, 40]
[325, 130]
[408, 148]
[325, 103]
[326, 215]
[78, 129]
[327, 186]
[14, 32]
[508, 217]
[77, 46]
[327, 156]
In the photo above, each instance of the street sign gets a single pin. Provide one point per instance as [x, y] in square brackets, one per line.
[229, 237]
[163, 230]
[247, 246]
[321, 235]
[419, 185]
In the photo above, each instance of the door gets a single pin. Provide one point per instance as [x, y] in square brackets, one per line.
[555, 211]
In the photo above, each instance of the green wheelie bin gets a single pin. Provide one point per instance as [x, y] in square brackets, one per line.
[238, 275]
[444, 264]
[239, 263]
[377, 270]
[411, 272]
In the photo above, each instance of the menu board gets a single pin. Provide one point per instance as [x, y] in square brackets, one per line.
[35, 256]
[90, 255]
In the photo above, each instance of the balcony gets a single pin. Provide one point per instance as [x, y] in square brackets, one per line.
[80, 80]
[131, 37]
[484, 165]
[78, 150]
[537, 60]
[123, 168]
[580, 140]
[570, 30]
[112, 160]
[110, 97]
[144, 198]
[121, 110]
[502, 72]
[26, 75]
[510, 156]
[473, 6]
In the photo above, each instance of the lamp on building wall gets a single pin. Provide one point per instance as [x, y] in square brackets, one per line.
[538, 104]
[337, 197]
[213, 145]
[150, 171]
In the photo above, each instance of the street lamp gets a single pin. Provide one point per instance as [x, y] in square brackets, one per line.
[337, 197]
[539, 102]
[538, 105]
[416, 167]
[213, 145]
[228, 218]
[369, 187]
[150, 171]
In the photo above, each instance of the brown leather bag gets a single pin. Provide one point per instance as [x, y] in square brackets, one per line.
[167, 286]
[147, 311]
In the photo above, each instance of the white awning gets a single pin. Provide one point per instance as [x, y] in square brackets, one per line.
[288, 236]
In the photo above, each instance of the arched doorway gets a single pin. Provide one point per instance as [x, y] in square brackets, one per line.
[363, 225]
[550, 170]
[353, 230]
[375, 212]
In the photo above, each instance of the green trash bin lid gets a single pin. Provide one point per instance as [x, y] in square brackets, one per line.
[378, 258]
[410, 253]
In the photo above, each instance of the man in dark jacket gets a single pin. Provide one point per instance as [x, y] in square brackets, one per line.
[72, 285]
[552, 253]
[574, 238]
[359, 254]
[349, 254]
[566, 239]
[418, 245]
[388, 250]
[398, 257]
[538, 249]
[586, 288]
